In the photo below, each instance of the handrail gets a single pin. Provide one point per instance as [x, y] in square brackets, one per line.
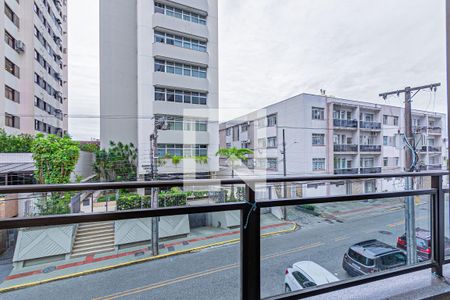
[43, 188]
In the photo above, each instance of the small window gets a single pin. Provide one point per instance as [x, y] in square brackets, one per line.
[318, 164]
[272, 142]
[318, 113]
[395, 121]
[12, 68]
[318, 139]
[271, 121]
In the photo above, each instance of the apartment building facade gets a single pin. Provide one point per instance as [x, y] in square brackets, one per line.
[326, 135]
[159, 60]
[34, 54]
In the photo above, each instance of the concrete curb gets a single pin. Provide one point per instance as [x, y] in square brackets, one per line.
[294, 227]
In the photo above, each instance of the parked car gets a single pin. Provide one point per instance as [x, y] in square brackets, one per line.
[423, 240]
[372, 256]
[306, 274]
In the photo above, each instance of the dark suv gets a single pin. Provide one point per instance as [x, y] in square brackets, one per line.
[423, 241]
[372, 256]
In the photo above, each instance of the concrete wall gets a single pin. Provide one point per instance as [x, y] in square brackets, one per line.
[118, 71]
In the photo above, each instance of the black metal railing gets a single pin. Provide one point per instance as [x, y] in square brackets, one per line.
[345, 123]
[250, 261]
[370, 125]
[370, 170]
[345, 148]
[370, 148]
[346, 171]
[435, 130]
[431, 149]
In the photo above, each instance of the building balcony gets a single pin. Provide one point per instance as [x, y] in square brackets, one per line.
[347, 171]
[431, 149]
[341, 123]
[420, 129]
[370, 148]
[346, 148]
[363, 125]
[370, 170]
[434, 167]
[435, 130]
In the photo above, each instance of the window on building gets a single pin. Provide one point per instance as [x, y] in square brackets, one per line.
[182, 14]
[318, 113]
[180, 96]
[385, 140]
[272, 121]
[180, 69]
[229, 131]
[168, 150]
[12, 94]
[397, 161]
[236, 133]
[385, 161]
[228, 145]
[272, 164]
[12, 68]
[180, 41]
[10, 40]
[395, 121]
[244, 127]
[385, 120]
[318, 164]
[318, 139]
[12, 121]
[11, 15]
[272, 142]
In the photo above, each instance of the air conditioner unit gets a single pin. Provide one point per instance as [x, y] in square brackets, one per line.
[19, 46]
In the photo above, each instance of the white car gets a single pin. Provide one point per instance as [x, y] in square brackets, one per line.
[304, 274]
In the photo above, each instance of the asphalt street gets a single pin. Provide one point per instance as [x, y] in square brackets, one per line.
[214, 273]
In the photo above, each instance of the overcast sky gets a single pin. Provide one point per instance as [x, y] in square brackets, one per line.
[271, 50]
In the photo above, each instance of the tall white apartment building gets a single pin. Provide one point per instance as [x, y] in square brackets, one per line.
[327, 135]
[160, 59]
[34, 54]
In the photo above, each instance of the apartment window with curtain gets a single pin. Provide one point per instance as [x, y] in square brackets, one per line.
[12, 94]
[12, 68]
[11, 15]
[12, 121]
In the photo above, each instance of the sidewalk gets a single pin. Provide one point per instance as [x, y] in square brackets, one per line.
[342, 211]
[198, 239]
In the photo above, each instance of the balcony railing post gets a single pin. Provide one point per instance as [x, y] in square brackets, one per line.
[437, 226]
[250, 248]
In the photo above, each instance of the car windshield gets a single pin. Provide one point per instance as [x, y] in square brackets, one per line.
[392, 259]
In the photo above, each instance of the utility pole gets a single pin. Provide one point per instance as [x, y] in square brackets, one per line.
[410, 166]
[284, 173]
[159, 124]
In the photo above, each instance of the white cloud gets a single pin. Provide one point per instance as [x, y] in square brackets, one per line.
[271, 50]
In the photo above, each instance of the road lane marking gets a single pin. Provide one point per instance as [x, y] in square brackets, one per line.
[403, 222]
[341, 238]
[201, 274]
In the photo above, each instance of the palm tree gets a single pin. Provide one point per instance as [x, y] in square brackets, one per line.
[234, 155]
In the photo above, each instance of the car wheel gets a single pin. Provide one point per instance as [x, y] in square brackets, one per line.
[287, 289]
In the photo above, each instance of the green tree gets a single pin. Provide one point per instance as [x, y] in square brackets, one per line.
[117, 163]
[233, 156]
[21, 143]
[55, 159]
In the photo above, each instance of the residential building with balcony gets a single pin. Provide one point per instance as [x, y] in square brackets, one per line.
[328, 135]
[34, 55]
[159, 59]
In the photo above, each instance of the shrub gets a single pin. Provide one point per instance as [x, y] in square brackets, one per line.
[92, 148]
[128, 201]
[173, 197]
